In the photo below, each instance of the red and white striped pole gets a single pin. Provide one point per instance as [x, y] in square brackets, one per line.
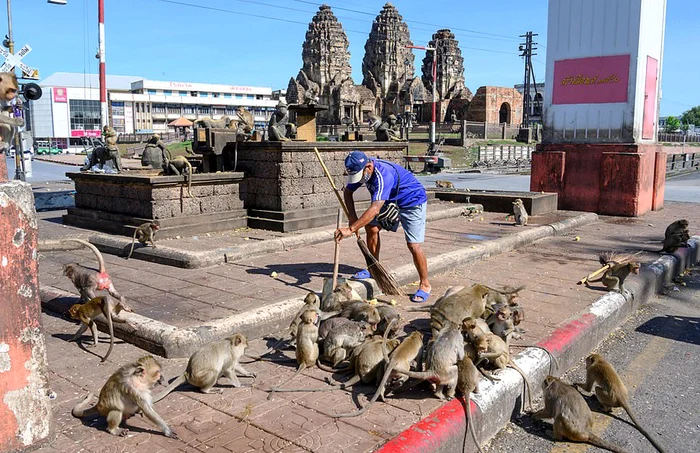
[432, 121]
[103, 77]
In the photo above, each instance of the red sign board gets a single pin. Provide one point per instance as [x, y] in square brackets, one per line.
[593, 80]
[95, 133]
[60, 94]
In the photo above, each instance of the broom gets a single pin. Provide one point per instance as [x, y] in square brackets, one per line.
[386, 282]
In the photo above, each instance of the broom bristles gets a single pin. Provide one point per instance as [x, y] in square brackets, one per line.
[386, 282]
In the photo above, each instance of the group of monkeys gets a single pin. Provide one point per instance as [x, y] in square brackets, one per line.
[471, 330]
[519, 214]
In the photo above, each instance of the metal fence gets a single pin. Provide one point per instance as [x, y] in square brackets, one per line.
[665, 137]
[683, 161]
[143, 138]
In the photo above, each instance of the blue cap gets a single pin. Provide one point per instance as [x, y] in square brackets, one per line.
[355, 162]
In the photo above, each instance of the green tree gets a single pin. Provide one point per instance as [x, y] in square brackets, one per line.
[672, 124]
[692, 116]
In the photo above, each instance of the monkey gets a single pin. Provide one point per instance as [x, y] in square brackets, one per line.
[126, 392]
[330, 324]
[503, 325]
[610, 390]
[8, 92]
[468, 382]
[361, 311]
[676, 236]
[573, 419]
[442, 184]
[87, 312]
[474, 328]
[86, 280]
[177, 166]
[455, 306]
[519, 213]
[211, 361]
[441, 360]
[342, 293]
[146, 232]
[307, 345]
[500, 297]
[492, 348]
[387, 314]
[518, 317]
[344, 338]
[401, 359]
[620, 267]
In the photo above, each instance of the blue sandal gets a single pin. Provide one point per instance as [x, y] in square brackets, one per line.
[363, 274]
[420, 296]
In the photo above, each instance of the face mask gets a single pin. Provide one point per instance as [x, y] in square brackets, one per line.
[365, 177]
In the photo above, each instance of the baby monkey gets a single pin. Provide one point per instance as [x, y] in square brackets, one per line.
[146, 232]
[676, 236]
[442, 184]
[87, 312]
[610, 390]
[519, 213]
[125, 393]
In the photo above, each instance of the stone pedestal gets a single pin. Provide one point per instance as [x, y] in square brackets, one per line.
[116, 204]
[285, 188]
[306, 120]
[612, 179]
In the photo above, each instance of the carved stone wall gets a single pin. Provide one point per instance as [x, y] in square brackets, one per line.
[387, 63]
[496, 105]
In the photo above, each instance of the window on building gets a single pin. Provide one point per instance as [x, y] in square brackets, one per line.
[227, 95]
[251, 96]
[158, 108]
[117, 108]
[84, 114]
[152, 91]
[219, 110]
[204, 110]
[239, 96]
[193, 94]
[203, 94]
[183, 93]
[231, 110]
[168, 92]
[189, 110]
[215, 95]
[258, 96]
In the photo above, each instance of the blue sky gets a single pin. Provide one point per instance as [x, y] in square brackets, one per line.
[168, 40]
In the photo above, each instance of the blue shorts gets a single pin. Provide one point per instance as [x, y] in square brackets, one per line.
[413, 222]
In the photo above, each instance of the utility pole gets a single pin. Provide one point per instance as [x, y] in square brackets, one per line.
[527, 48]
[432, 121]
[101, 56]
[19, 152]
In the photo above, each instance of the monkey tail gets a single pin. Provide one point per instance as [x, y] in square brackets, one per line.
[84, 408]
[642, 430]
[598, 442]
[526, 383]
[173, 385]
[133, 241]
[98, 255]
[107, 310]
[470, 423]
[379, 391]
[189, 178]
[385, 352]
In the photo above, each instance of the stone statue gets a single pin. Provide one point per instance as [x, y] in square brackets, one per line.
[101, 154]
[383, 129]
[280, 129]
[244, 124]
[222, 123]
[310, 97]
[155, 153]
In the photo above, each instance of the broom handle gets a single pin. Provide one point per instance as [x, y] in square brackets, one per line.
[336, 256]
[335, 189]
[594, 274]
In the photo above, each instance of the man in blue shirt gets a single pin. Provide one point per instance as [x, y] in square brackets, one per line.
[387, 182]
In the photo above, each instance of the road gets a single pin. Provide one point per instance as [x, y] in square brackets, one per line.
[681, 188]
[656, 353]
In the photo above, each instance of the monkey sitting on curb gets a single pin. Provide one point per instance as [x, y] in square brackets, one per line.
[125, 393]
[519, 213]
[146, 232]
[610, 390]
[211, 361]
[573, 419]
[442, 184]
[87, 312]
[676, 236]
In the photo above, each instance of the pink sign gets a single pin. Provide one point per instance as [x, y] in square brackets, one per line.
[593, 80]
[60, 94]
[95, 133]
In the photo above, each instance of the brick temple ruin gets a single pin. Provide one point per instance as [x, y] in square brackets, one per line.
[390, 85]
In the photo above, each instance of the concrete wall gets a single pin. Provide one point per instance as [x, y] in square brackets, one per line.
[287, 176]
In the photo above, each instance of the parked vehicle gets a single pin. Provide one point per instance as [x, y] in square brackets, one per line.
[45, 147]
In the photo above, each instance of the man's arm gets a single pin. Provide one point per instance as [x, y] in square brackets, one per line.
[367, 216]
[350, 204]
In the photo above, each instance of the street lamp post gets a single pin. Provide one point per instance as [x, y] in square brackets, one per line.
[432, 121]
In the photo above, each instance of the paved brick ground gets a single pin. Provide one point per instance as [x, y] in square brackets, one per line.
[243, 420]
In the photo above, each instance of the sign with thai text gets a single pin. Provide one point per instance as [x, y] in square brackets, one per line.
[60, 94]
[93, 133]
[593, 80]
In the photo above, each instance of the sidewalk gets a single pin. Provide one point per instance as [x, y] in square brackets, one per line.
[242, 420]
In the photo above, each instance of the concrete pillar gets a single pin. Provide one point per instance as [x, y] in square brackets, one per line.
[25, 409]
[3, 168]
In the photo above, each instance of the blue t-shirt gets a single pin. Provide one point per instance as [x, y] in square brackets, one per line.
[382, 185]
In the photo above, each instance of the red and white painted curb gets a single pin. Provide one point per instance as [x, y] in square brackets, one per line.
[444, 429]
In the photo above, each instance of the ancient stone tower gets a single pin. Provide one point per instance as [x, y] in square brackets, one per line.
[451, 91]
[388, 64]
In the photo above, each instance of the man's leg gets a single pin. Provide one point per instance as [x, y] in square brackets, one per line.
[421, 264]
[413, 221]
[374, 242]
